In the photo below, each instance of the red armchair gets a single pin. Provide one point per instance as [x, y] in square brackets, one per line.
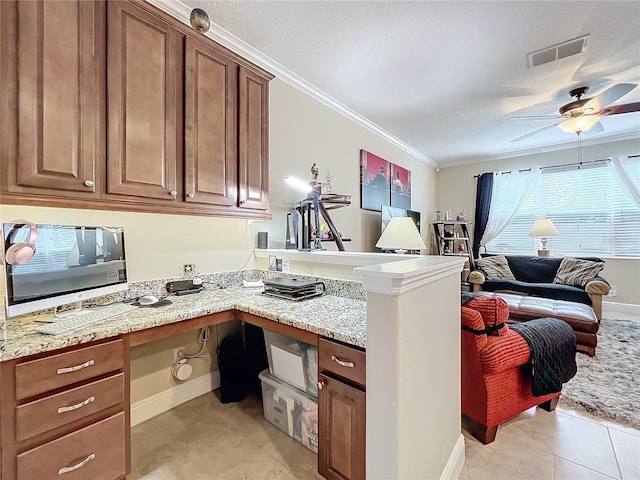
[495, 384]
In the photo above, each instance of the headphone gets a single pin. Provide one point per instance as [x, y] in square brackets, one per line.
[21, 252]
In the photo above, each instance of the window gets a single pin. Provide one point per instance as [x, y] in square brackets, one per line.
[594, 215]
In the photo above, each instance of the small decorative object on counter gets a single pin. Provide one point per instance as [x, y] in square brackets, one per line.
[460, 216]
[437, 215]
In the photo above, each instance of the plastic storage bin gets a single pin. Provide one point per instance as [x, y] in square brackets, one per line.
[292, 361]
[291, 410]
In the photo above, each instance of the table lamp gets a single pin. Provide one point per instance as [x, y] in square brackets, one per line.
[401, 235]
[543, 228]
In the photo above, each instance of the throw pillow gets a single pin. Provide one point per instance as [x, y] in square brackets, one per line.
[494, 311]
[576, 272]
[496, 267]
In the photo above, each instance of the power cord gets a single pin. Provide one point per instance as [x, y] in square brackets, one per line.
[205, 333]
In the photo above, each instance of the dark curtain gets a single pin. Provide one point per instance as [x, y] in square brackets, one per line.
[483, 202]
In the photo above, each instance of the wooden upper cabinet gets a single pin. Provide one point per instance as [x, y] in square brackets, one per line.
[211, 165]
[253, 150]
[143, 103]
[59, 86]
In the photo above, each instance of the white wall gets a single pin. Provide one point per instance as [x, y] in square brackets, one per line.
[457, 190]
[302, 132]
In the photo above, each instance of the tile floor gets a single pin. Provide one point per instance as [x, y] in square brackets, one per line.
[204, 439]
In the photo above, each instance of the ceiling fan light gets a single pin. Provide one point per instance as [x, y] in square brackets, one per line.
[579, 124]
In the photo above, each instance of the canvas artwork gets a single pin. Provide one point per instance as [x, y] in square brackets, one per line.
[400, 187]
[375, 187]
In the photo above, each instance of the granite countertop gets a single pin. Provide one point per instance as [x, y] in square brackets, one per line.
[330, 316]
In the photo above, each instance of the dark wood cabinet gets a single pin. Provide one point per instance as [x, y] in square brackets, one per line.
[253, 147]
[211, 105]
[341, 411]
[55, 75]
[67, 413]
[119, 106]
[143, 77]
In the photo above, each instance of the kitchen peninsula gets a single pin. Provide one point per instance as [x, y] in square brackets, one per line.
[408, 323]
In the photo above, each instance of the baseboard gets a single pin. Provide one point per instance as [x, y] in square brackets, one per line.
[453, 468]
[621, 311]
[172, 397]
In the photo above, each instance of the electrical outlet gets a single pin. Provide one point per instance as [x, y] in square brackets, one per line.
[189, 269]
[178, 353]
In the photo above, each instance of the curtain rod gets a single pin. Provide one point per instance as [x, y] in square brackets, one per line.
[556, 166]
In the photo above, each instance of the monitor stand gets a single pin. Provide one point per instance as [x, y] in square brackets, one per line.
[58, 315]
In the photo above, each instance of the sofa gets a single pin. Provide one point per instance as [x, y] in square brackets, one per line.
[568, 279]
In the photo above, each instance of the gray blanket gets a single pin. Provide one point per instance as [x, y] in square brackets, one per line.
[553, 353]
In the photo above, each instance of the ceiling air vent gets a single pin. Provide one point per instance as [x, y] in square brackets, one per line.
[556, 52]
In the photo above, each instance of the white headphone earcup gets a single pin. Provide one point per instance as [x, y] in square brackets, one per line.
[19, 253]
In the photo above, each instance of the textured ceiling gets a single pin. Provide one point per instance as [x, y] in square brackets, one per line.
[444, 76]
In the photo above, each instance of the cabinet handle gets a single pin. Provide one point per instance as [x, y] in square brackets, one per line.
[320, 385]
[191, 195]
[342, 363]
[173, 193]
[89, 183]
[77, 367]
[76, 406]
[64, 470]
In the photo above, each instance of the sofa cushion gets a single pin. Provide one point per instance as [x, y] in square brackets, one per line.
[495, 267]
[494, 311]
[577, 272]
[547, 290]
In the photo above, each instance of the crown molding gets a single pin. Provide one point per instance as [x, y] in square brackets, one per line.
[182, 12]
[544, 149]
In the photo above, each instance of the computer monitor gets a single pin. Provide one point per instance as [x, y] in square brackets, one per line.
[72, 263]
[389, 212]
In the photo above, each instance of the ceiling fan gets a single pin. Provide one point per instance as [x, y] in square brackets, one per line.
[583, 114]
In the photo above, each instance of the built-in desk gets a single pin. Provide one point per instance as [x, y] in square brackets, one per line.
[86, 373]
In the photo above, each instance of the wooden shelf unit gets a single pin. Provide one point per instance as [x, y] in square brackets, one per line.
[454, 239]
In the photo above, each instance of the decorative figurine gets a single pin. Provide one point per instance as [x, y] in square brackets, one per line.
[315, 184]
[328, 178]
[460, 216]
[437, 214]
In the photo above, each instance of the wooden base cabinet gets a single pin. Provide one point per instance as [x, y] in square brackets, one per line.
[65, 414]
[342, 412]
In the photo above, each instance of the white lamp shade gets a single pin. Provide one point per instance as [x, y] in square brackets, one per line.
[543, 228]
[401, 234]
[579, 124]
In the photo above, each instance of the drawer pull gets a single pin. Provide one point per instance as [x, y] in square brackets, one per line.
[77, 367]
[76, 406]
[320, 385]
[342, 363]
[64, 470]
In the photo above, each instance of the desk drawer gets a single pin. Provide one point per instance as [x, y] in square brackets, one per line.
[56, 371]
[96, 452]
[342, 360]
[54, 411]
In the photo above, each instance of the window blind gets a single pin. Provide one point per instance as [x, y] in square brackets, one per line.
[594, 215]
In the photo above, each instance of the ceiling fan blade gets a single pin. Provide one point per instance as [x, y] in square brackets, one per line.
[535, 132]
[536, 117]
[597, 128]
[609, 96]
[618, 109]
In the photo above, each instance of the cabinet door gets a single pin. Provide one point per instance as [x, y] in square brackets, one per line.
[59, 64]
[342, 417]
[211, 99]
[143, 82]
[253, 141]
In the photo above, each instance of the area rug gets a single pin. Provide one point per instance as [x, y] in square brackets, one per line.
[608, 385]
